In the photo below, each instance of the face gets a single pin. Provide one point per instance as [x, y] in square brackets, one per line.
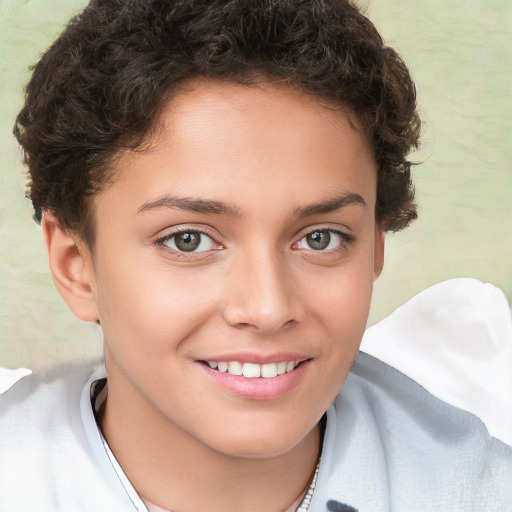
[233, 266]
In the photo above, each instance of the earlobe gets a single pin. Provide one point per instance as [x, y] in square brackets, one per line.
[380, 242]
[71, 268]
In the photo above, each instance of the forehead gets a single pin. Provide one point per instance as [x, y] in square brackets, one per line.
[219, 140]
[274, 116]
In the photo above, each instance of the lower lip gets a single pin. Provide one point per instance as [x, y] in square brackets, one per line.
[257, 388]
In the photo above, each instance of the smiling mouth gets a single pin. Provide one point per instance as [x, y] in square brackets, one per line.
[254, 370]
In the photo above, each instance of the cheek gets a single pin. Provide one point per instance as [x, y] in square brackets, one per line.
[342, 297]
[338, 313]
[155, 306]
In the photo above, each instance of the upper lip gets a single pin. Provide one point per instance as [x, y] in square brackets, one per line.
[244, 357]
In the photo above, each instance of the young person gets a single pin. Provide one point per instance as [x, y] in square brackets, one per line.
[214, 180]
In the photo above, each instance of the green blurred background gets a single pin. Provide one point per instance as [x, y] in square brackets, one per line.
[459, 52]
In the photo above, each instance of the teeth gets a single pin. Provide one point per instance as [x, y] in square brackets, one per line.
[253, 370]
[269, 370]
[235, 368]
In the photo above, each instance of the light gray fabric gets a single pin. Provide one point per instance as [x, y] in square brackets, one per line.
[392, 446]
[389, 446]
[51, 455]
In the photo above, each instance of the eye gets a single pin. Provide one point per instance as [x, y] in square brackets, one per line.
[322, 240]
[188, 242]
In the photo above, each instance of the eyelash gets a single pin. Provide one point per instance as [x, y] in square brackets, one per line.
[346, 239]
[162, 242]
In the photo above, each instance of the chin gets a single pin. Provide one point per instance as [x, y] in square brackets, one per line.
[261, 443]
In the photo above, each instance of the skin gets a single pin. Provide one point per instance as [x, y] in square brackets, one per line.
[255, 288]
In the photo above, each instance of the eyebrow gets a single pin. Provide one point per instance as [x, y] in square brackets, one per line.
[330, 205]
[210, 206]
[192, 204]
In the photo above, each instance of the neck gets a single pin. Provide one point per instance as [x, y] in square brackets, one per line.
[172, 469]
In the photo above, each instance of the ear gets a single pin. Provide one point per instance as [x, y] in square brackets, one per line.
[378, 258]
[72, 268]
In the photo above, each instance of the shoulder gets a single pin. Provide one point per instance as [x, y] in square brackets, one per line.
[395, 400]
[438, 441]
[51, 456]
[43, 397]
[43, 408]
[389, 441]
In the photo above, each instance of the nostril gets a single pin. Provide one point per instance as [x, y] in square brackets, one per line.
[290, 323]
[244, 325]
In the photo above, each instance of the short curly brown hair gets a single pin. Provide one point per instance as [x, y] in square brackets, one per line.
[100, 87]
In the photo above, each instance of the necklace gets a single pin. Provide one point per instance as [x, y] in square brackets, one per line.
[306, 501]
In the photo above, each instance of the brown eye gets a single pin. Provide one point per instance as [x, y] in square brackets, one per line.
[189, 241]
[318, 240]
[324, 240]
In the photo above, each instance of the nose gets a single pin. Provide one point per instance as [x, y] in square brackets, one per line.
[261, 295]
